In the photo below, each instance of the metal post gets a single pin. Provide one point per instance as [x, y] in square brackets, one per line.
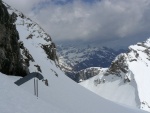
[37, 86]
[34, 87]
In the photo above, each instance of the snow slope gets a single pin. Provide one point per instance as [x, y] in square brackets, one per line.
[14, 99]
[127, 79]
[114, 89]
[61, 96]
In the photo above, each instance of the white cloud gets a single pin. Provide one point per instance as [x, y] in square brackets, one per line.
[23, 5]
[105, 19]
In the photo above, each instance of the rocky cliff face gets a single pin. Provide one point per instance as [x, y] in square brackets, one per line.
[87, 73]
[121, 63]
[10, 57]
[25, 40]
[16, 32]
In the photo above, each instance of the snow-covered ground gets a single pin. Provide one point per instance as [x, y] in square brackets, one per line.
[61, 96]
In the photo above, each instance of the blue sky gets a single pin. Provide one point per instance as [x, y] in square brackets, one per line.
[43, 4]
[103, 22]
[63, 2]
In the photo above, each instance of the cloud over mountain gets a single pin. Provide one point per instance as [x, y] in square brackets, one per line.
[86, 19]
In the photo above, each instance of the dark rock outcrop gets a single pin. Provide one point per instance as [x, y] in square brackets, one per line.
[50, 50]
[118, 65]
[10, 57]
[87, 73]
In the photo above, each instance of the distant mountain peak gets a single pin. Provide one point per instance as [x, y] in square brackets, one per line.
[72, 59]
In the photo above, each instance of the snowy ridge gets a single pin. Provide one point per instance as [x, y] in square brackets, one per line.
[127, 79]
[140, 70]
[33, 38]
[29, 26]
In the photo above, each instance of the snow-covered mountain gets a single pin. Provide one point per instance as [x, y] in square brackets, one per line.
[74, 58]
[37, 54]
[31, 39]
[127, 80]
